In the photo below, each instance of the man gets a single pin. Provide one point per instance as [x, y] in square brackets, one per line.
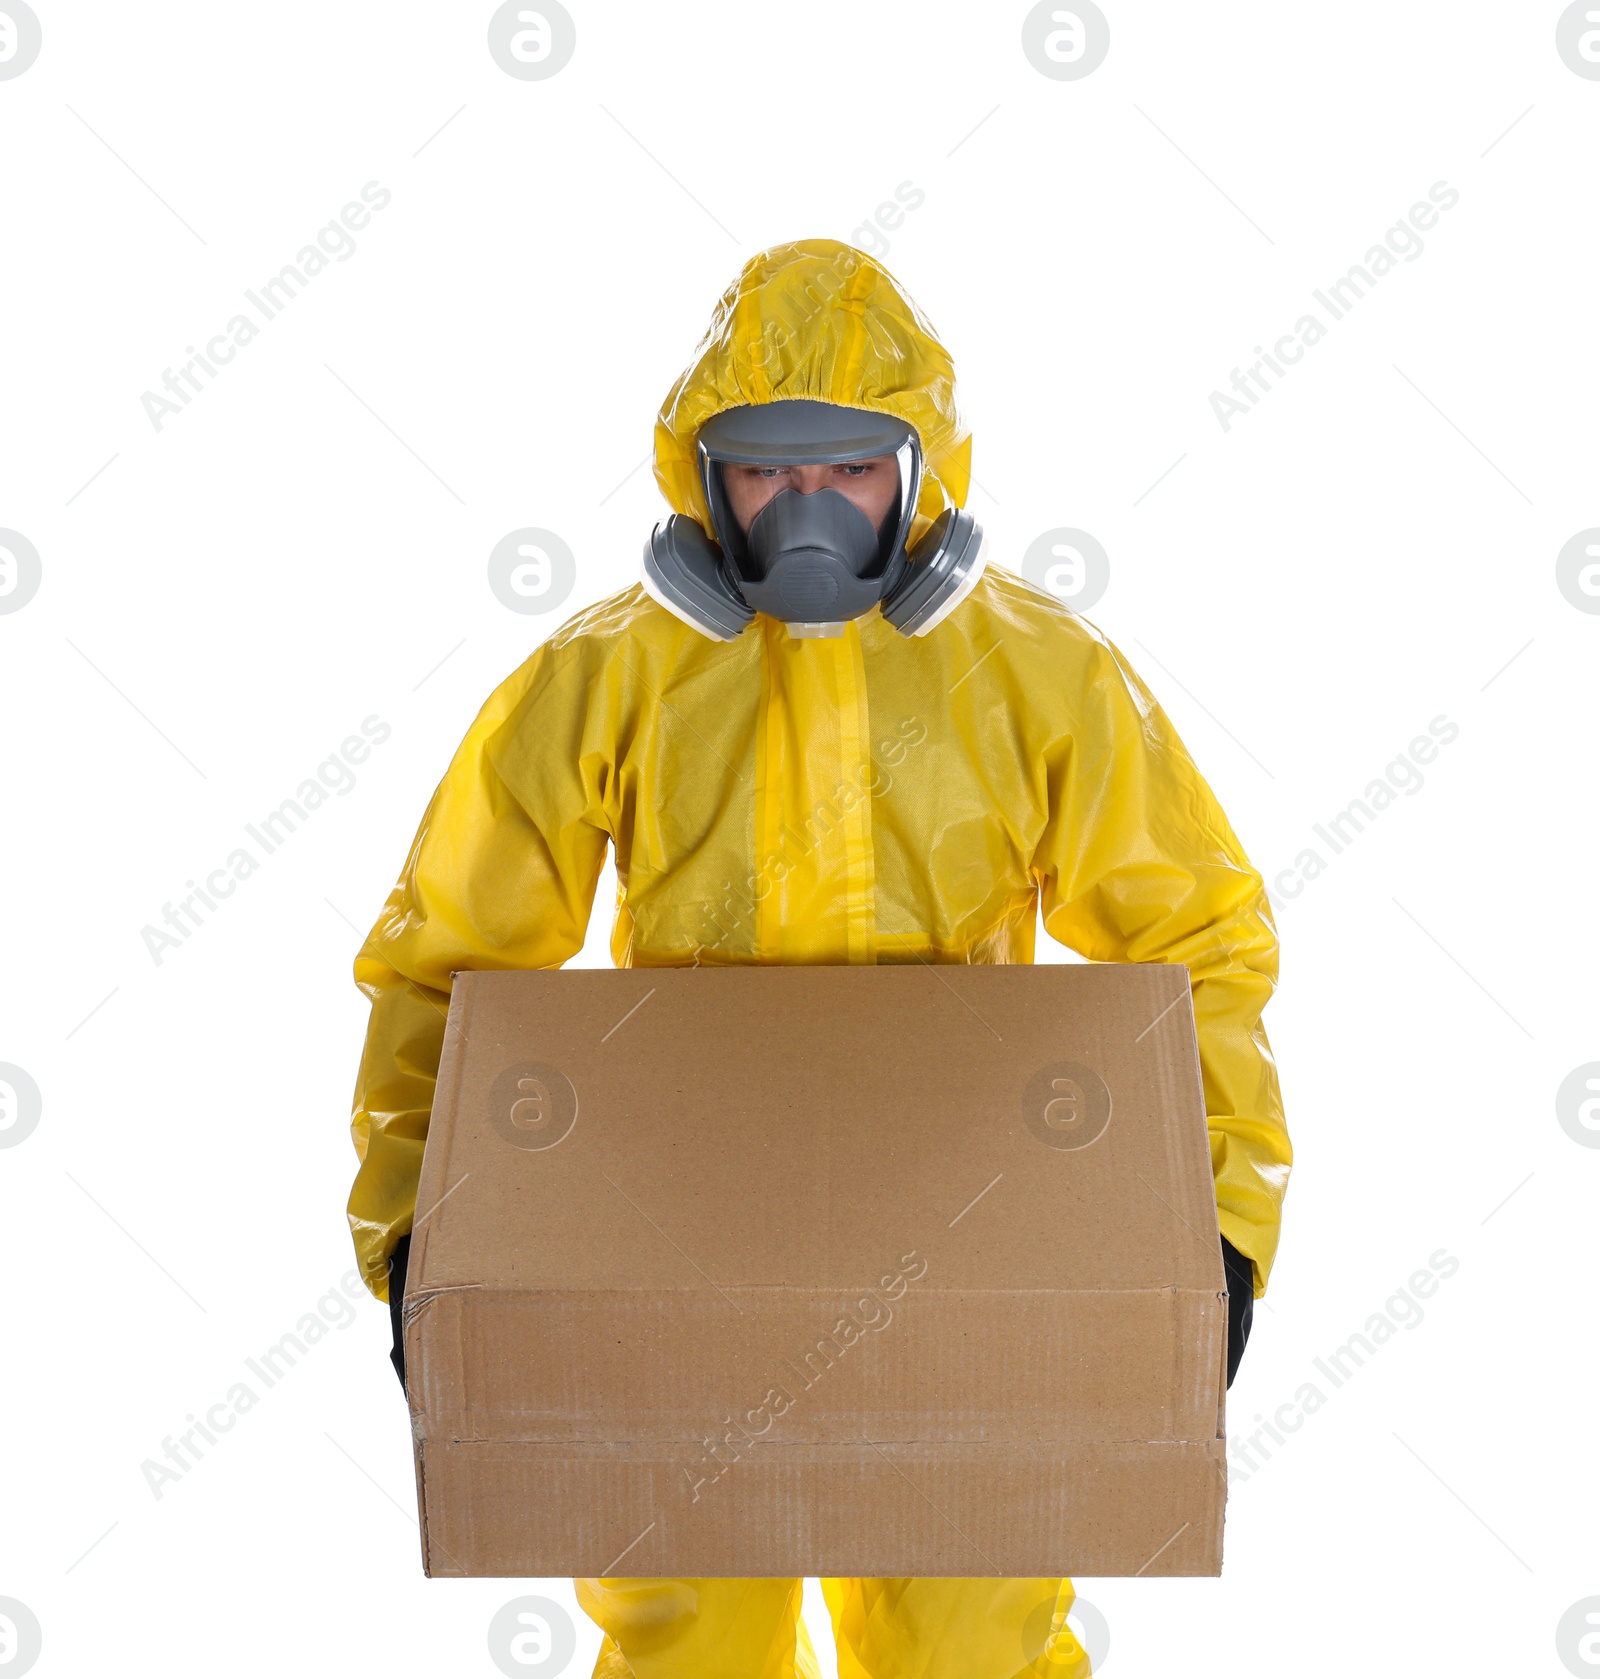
[822, 732]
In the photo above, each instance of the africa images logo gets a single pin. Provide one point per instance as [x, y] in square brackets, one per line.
[20, 39]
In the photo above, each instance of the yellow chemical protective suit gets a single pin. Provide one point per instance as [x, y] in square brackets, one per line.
[883, 1629]
[866, 798]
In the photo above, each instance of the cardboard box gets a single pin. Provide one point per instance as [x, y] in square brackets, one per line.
[889, 1271]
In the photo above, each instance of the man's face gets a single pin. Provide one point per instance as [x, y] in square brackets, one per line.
[871, 485]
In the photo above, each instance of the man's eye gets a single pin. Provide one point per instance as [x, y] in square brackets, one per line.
[856, 468]
[769, 471]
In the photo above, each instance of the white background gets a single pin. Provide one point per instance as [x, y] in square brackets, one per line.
[232, 594]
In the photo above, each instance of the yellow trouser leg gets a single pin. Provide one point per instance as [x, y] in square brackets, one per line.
[698, 1629]
[884, 1629]
[954, 1629]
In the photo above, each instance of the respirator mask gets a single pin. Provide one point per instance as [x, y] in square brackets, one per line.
[814, 561]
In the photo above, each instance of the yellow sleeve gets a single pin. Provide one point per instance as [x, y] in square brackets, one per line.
[1137, 863]
[501, 874]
